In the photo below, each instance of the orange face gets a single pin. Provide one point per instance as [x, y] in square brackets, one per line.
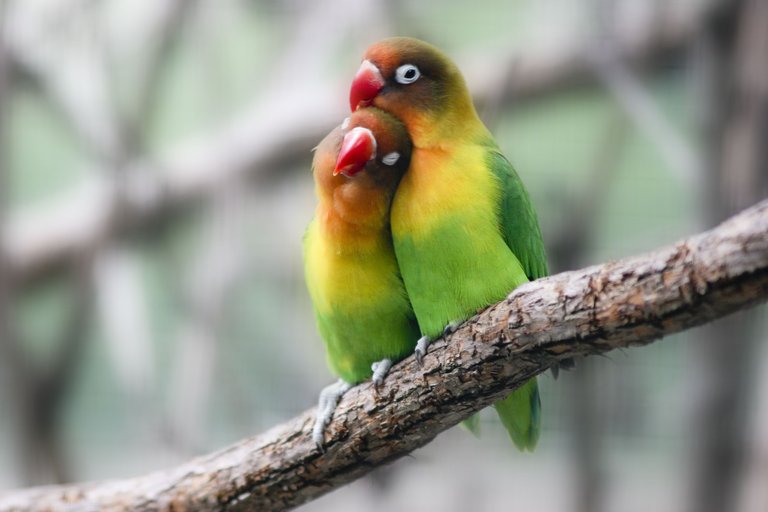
[357, 168]
[408, 78]
[374, 142]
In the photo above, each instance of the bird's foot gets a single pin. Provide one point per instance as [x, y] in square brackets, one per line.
[326, 404]
[421, 349]
[421, 346]
[380, 371]
[451, 327]
[564, 364]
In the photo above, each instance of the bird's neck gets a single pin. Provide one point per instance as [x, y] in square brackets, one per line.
[354, 218]
[453, 126]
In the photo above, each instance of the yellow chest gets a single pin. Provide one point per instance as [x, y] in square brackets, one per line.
[348, 278]
[439, 183]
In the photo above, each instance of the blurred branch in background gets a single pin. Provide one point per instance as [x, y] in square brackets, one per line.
[648, 41]
[626, 87]
[121, 305]
[165, 30]
[5, 270]
[216, 268]
[642, 109]
[8, 356]
[57, 50]
[621, 304]
[731, 57]
[122, 293]
[277, 135]
[42, 450]
[38, 388]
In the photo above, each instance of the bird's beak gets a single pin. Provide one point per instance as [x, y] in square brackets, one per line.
[357, 148]
[366, 85]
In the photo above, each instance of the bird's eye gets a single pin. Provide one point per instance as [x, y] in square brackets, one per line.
[390, 158]
[407, 74]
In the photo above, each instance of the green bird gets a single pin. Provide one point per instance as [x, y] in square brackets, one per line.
[361, 307]
[464, 230]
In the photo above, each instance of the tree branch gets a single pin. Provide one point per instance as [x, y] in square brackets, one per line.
[620, 304]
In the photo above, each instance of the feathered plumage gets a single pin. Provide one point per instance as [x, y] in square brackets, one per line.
[464, 230]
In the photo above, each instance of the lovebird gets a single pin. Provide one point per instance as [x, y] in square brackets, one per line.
[463, 227]
[363, 313]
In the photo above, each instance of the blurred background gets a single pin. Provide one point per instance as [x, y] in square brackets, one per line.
[155, 185]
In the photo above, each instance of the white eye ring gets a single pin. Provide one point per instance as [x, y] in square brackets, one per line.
[407, 74]
[390, 158]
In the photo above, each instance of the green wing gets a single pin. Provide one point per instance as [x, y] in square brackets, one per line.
[519, 224]
[520, 412]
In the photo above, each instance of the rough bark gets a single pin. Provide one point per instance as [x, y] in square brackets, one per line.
[619, 304]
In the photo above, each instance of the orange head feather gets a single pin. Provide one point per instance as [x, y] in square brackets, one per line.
[415, 82]
[358, 166]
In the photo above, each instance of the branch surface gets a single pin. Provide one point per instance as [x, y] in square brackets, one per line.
[619, 304]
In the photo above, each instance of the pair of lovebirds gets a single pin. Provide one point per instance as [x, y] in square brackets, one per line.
[421, 222]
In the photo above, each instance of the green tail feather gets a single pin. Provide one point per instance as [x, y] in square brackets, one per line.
[472, 424]
[520, 413]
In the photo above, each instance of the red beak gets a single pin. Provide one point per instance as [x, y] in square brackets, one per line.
[366, 85]
[357, 148]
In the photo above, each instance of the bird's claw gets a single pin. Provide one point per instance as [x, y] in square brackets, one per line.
[380, 370]
[451, 328]
[421, 346]
[421, 349]
[564, 364]
[326, 404]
